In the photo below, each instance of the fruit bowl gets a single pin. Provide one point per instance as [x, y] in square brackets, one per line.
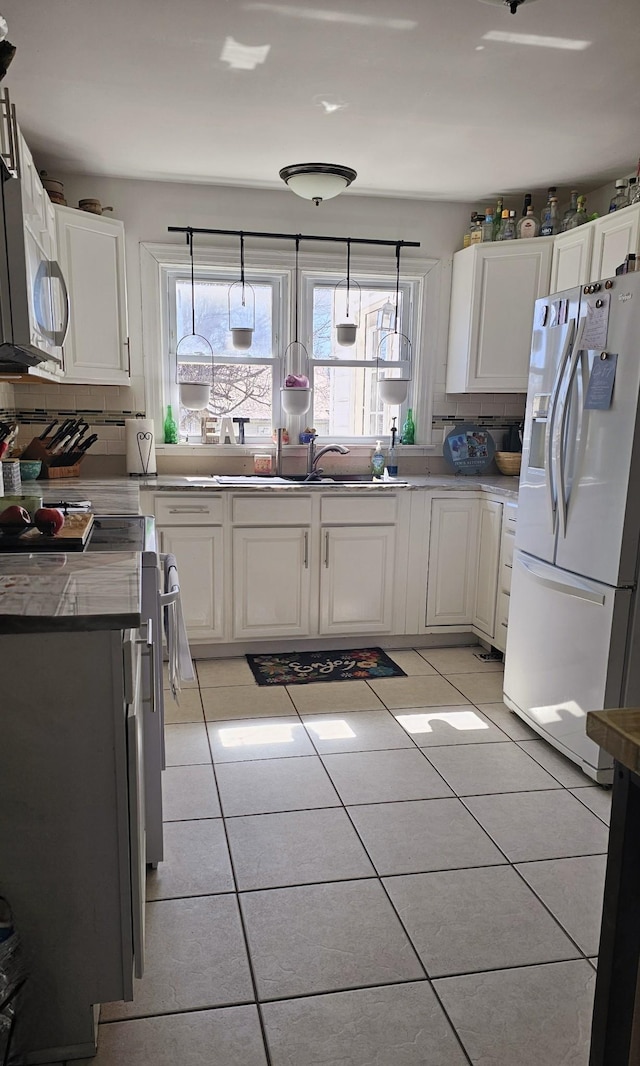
[30, 469]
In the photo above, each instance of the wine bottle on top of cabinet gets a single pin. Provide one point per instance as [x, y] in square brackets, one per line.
[507, 231]
[580, 216]
[550, 221]
[467, 236]
[529, 226]
[620, 199]
[476, 230]
[526, 205]
[487, 225]
[497, 216]
[571, 210]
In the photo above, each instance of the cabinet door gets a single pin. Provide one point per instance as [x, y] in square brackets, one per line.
[92, 258]
[453, 554]
[494, 288]
[571, 262]
[34, 198]
[198, 551]
[489, 530]
[357, 579]
[615, 236]
[271, 582]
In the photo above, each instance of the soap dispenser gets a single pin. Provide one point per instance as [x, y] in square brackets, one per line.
[377, 461]
[392, 459]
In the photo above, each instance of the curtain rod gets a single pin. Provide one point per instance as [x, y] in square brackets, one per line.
[291, 236]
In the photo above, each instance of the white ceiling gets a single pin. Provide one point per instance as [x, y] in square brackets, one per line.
[428, 106]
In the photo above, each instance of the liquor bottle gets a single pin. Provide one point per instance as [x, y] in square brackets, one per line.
[526, 205]
[571, 210]
[529, 226]
[633, 191]
[580, 216]
[170, 428]
[476, 230]
[497, 215]
[620, 199]
[408, 429]
[550, 221]
[467, 236]
[507, 231]
[487, 225]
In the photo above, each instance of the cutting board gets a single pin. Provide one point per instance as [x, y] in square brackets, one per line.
[72, 537]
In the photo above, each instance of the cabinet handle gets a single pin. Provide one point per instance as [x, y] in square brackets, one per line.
[326, 549]
[127, 345]
[508, 566]
[306, 551]
[189, 511]
[504, 624]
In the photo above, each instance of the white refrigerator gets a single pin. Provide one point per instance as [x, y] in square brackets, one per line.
[573, 641]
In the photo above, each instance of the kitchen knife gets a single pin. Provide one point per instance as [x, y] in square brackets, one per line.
[43, 436]
[80, 451]
[62, 432]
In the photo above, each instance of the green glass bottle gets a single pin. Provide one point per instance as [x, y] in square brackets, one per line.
[408, 429]
[170, 428]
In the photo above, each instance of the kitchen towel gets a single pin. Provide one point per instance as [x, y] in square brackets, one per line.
[179, 653]
[140, 443]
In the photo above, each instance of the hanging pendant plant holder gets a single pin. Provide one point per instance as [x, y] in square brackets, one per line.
[295, 394]
[347, 328]
[393, 389]
[193, 348]
[242, 308]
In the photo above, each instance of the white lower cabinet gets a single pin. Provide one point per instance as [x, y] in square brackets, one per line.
[357, 579]
[453, 553]
[489, 531]
[271, 582]
[199, 554]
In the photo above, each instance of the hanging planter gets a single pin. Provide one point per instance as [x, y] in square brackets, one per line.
[346, 329]
[193, 348]
[295, 394]
[393, 389]
[242, 308]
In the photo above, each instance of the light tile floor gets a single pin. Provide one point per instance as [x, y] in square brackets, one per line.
[394, 872]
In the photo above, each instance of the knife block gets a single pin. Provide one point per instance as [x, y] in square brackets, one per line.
[37, 449]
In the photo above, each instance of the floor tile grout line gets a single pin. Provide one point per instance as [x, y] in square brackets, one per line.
[254, 982]
[173, 1013]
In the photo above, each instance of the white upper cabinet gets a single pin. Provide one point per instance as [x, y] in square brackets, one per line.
[615, 235]
[571, 262]
[494, 288]
[91, 251]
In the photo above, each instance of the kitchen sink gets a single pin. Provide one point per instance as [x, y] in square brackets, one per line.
[340, 479]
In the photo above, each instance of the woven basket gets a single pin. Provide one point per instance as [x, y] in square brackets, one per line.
[508, 462]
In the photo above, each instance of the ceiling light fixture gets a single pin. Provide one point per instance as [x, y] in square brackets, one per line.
[317, 181]
[513, 5]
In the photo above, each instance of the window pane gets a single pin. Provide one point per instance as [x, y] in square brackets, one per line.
[212, 318]
[346, 403]
[374, 309]
[239, 390]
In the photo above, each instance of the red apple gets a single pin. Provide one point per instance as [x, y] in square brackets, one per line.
[49, 520]
[15, 516]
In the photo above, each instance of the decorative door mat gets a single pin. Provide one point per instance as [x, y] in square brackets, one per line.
[303, 667]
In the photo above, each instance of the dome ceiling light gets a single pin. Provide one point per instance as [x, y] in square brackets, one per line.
[317, 181]
[513, 5]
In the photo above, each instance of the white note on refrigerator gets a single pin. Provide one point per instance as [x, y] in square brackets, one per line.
[597, 321]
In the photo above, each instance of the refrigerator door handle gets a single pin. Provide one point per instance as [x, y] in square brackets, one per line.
[560, 448]
[552, 491]
[577, 589]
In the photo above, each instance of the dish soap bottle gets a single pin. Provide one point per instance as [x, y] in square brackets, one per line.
[408, 429]
[170, 428]
[392, 460]
[377, 461]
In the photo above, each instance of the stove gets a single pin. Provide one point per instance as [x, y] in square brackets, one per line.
[121, 533]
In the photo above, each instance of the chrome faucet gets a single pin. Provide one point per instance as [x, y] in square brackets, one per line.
[313, 471]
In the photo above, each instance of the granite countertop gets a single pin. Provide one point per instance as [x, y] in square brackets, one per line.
[498, 485]
[66, 591]
[116, 495]
[618, 732]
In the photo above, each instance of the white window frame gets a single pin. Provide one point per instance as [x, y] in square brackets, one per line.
[411, 289]
[430, 319]
[208, 273]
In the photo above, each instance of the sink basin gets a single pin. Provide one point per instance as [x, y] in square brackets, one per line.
[340, 479]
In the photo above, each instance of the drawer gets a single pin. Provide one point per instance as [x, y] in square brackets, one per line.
[510, 517]
[275, 510]
[502, 611]
[189, 509]
[358, 510]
